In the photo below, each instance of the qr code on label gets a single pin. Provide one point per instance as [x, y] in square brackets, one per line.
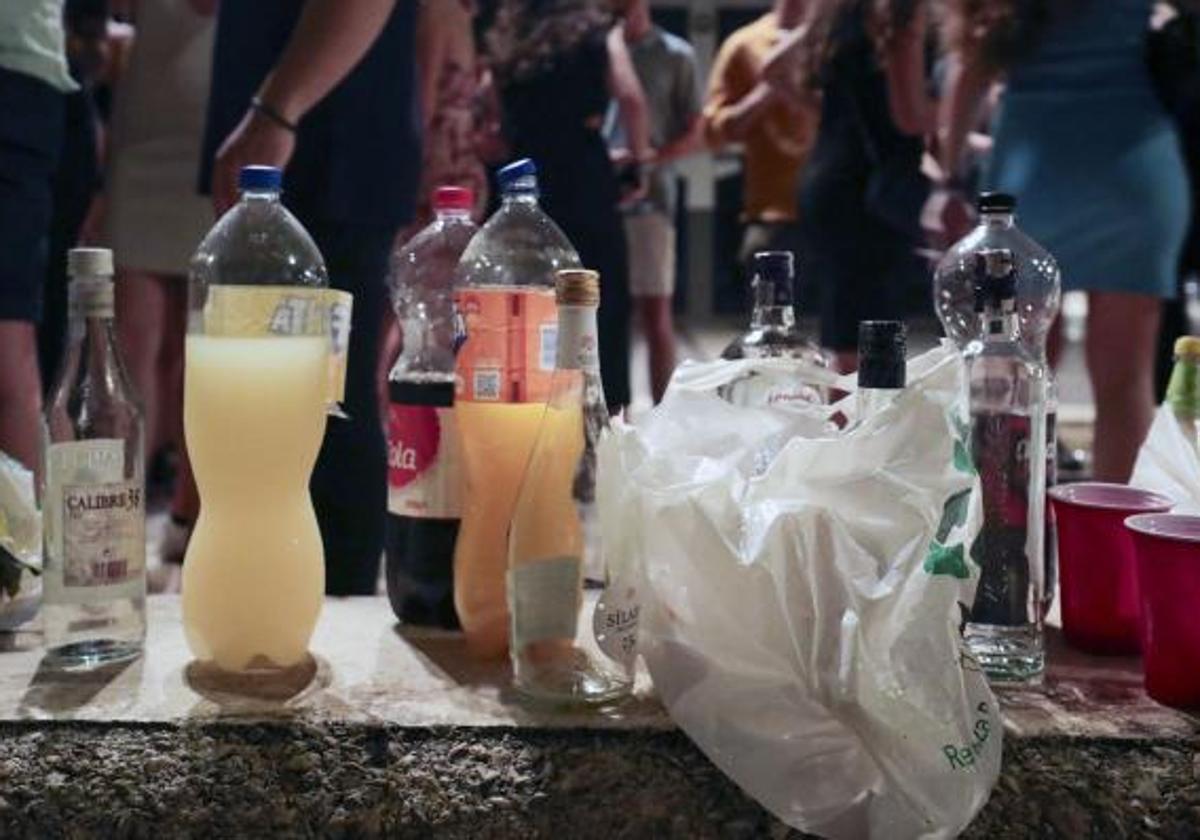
[487, 384]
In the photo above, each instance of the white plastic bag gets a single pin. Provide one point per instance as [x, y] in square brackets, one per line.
[1168, 464]
[800, 621]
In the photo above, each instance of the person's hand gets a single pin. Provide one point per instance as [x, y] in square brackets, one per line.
[257, 141]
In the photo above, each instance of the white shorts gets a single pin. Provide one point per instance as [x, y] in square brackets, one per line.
[651, 238]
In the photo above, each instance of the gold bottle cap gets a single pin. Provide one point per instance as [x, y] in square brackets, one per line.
[1188, 346]
[578, 287]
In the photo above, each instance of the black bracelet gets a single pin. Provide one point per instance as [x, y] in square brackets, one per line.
[270, 113]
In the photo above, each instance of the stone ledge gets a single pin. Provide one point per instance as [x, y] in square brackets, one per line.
[402, 735]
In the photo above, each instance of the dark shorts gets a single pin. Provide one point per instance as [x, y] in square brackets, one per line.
[31, 124]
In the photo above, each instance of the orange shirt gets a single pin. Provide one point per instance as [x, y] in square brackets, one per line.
[778, 144]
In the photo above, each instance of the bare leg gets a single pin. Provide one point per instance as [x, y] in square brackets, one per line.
[141, 304]
[20, 393]
[1122, 333]
[659, 329]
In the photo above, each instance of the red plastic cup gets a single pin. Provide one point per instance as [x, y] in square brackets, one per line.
[1168, 559]
[1097, 565]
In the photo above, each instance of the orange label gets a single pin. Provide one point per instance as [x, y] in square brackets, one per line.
[511, 344]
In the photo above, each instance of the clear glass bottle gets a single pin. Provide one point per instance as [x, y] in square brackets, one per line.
[506, 297]
[424, 471]
[569, 645]
[1039, 298]
[93, 486]
[1183, 389]
[882, 371]
[774, 333]
[1007, 405]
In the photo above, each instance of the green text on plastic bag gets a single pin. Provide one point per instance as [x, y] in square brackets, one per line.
[946, 560]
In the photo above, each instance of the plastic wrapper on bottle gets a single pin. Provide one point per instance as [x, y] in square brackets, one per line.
[20, 544]
[803, 591]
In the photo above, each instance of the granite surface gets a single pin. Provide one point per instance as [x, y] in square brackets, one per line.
[390, 734]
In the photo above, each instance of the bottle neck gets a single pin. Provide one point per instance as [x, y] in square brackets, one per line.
[260, 196]
[873, 400]
[577, 339]
[1183, 389]
[772, 305]
[453, 215]
[524, 191]
[997, 219]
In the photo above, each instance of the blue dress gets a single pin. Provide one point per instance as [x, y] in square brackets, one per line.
[1083, 142]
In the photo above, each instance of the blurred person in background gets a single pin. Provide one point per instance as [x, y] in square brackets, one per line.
[862, 191]
[670, 78]
[775, 130]
[450, 85]
[154, 219]
[34, 78]
[556, 65]
[1087, 147]
[326, 89]
[90, 56]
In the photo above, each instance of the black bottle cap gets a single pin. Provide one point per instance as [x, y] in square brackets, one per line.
[995, 278]
[882, 348]
[775, 265]
[779, 269]
[996, 202]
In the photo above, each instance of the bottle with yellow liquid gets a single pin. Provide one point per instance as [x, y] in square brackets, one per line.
[503, 372]
[256, 389]
[1183, 389]
[573, 639]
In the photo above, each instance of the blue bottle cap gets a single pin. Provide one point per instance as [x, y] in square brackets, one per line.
[260, 178]
[515, 171]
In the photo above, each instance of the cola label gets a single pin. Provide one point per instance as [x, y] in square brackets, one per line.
[423, 451]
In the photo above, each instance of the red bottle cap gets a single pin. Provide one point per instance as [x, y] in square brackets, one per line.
[453, 198]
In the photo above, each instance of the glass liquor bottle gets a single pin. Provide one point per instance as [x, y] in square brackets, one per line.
[93, 488]
[1007, 402]
[568, 645]
[1039, 296]
[774, 333]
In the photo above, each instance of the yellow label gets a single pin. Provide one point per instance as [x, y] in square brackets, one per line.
[260, 311]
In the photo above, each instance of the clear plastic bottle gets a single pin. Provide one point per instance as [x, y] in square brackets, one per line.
[1039, 298]
[93, 486]
[257, 384]
[568, 645]
[1007, 393]
[504, 369]
[774, 333]
[424, 474]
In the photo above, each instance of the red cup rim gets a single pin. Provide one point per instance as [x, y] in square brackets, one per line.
[1176, 527]
[1102, 495]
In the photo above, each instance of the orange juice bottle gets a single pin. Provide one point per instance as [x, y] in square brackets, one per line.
[506, 300]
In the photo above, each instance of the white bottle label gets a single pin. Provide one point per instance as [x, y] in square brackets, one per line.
[544, 598]
[577, 344]
[104, 542]
[95, 520]
[615, 622]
